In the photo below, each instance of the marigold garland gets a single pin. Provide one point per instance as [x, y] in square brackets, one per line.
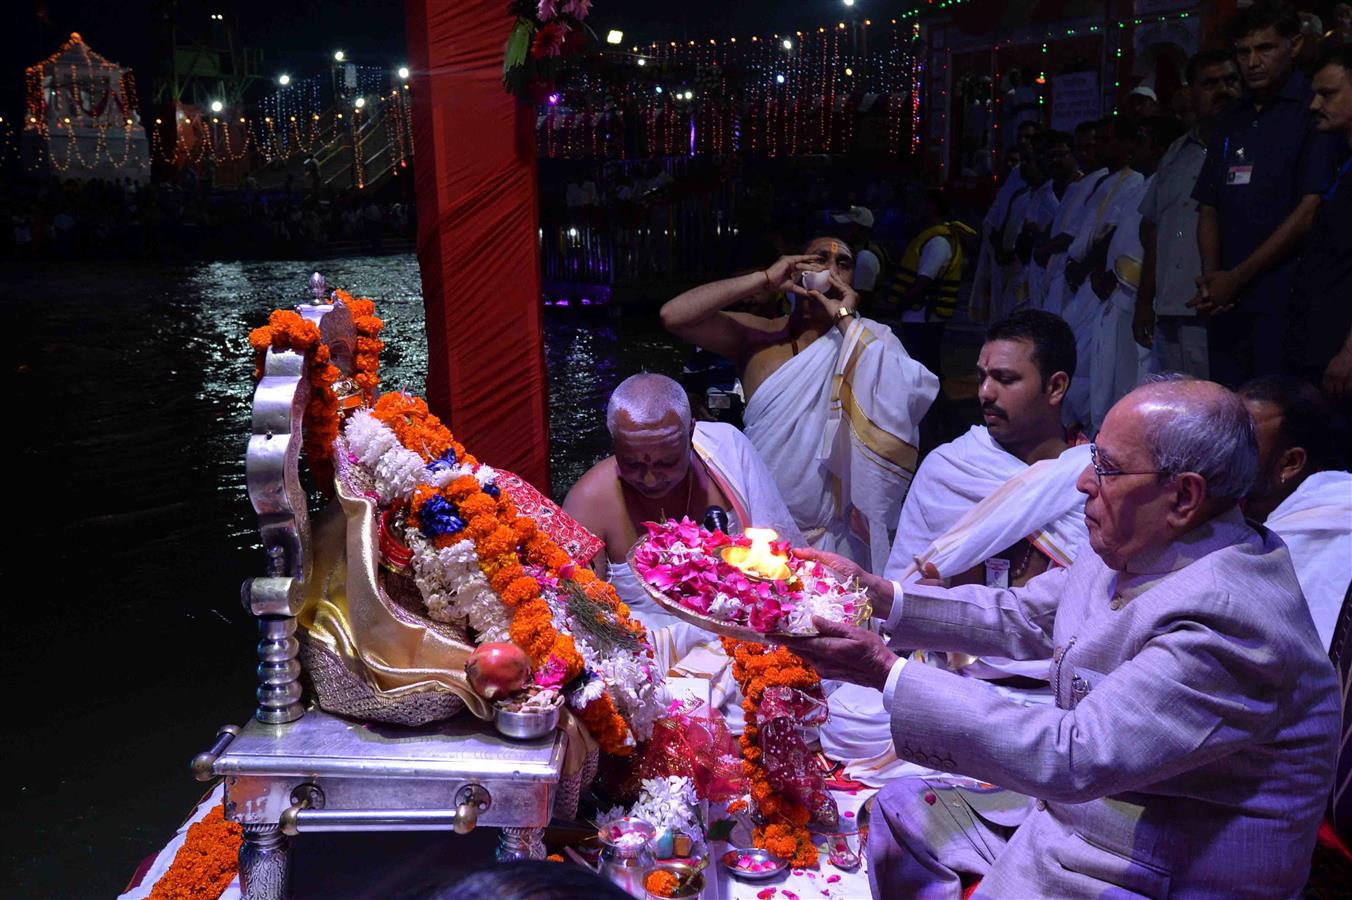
[366, 359]
[503, 542]
[757, 667]
[206, 863]
[288, 330]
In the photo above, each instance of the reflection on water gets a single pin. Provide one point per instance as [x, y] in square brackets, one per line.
[133, 387]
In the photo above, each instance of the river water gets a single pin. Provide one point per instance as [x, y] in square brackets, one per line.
[127, 643]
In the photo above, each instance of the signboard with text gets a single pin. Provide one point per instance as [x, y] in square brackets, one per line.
[1075, 99]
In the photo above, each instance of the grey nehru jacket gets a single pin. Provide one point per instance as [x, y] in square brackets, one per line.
[1191, 745]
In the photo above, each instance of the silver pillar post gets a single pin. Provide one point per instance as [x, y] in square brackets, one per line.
[279, 689]
[264, 863]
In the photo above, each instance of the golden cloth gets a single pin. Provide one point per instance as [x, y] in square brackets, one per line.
[346, 611]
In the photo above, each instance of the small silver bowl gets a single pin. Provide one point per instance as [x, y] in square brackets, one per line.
[729, 862]
[527, 724]
[687, 872]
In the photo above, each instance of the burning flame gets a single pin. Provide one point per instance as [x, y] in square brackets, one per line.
[759, 559]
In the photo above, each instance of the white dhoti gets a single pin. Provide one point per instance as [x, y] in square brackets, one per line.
[837, 427]
[1315, 523]
[1054, 285]
[959, 514]
[1116, 362]
[1114, 196]
[988, 286]
[1081, 312]
[1069, 217]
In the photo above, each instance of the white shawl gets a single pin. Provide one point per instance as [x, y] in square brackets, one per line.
[1315, 523]
[837, 427]
[972, 498]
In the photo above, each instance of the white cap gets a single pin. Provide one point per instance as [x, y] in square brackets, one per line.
[856, 214]
[1145, 91]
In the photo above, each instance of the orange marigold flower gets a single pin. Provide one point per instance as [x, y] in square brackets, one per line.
[481, 527]
[521, 589]
[661, 883]
[479, 504]
[463, 487]
[524, 528]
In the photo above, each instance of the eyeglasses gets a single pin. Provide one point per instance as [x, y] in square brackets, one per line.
[1103, 473]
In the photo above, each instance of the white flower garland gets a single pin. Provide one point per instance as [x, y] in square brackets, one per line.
[663, 803]
[454, 588]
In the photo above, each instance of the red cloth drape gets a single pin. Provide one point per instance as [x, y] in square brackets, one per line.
[477, 244]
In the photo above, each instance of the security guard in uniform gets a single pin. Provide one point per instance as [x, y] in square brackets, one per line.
[925, 284]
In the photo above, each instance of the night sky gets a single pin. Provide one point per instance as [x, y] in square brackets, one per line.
[299, 36]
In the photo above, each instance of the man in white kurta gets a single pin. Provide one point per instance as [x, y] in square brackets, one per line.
[988, 287]
[1069, 217]
[1013, 276]
[1104, 209]
[1303, 491]
[1037, 221]
[987, 281]
[1009, 485]
[1116, 361]
[834, 401]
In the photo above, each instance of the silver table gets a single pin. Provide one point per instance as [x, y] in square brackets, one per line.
[294, 770]
[321, 773]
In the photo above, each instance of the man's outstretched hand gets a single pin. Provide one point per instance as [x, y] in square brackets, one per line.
[845, 653]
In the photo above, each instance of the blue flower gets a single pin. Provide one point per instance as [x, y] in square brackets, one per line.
[439, 516]
[445, 461]
[492, 490]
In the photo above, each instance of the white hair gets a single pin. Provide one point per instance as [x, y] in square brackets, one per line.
[646, 399]
[1198, 426]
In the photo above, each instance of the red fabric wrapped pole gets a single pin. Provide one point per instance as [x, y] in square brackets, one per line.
[477, 244]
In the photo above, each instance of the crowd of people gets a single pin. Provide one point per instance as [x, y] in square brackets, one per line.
[1127, 580]
[187, 218]
[1214, 243]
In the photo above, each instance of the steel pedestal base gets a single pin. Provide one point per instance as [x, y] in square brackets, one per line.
[521, 843]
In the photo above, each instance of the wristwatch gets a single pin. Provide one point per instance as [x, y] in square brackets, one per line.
[844, 312]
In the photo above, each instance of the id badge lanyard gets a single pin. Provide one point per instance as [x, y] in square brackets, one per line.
[1237, 171]
[1337, 179]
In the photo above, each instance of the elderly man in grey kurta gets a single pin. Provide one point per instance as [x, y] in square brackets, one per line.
[1191, 746]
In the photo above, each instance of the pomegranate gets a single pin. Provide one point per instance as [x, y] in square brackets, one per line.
[497, 670]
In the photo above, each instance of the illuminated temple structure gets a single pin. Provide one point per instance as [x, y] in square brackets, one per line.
[82, 118]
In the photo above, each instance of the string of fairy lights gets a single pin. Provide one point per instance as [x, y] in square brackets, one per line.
[1114, 35]
[779, 94]
[83, 110]
[791, 93]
